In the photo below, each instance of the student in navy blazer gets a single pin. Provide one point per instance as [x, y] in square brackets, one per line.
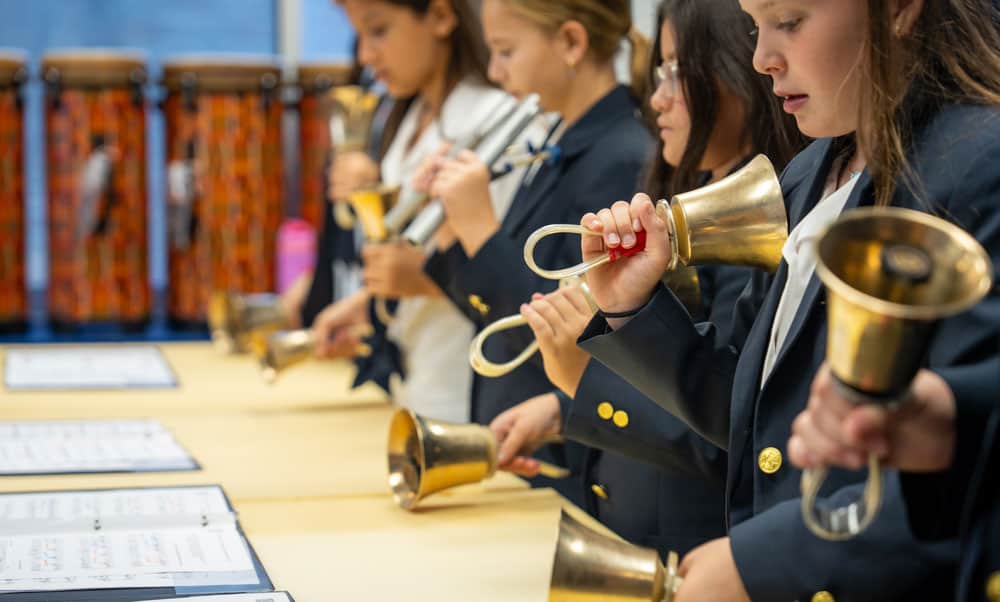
[949, 125]
[562, 51]
[948, 453]
[647, 476]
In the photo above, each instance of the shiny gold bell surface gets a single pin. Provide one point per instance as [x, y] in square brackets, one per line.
[591, 567]
[739, 220]
[233, 317]
[427, 456]
[276, 351]
[370, 206]
[352, 111]
[890, 273]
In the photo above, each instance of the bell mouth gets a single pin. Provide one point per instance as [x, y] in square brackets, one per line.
[406, 459]
[903, 264]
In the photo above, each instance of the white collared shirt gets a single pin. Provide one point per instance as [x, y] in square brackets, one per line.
[799, 253]
[432, 334]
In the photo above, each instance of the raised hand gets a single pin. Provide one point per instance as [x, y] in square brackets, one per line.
[626, 284]
[558, 319]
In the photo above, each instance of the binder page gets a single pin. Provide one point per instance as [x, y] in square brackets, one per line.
[89, 446]
[87, 367]
[191, 556]
[125, 538]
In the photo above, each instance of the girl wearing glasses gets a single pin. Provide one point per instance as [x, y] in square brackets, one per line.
[904, 99]
[659, 484]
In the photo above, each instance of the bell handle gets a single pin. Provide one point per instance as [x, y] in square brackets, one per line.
[841, 524]
[582, 268]
[483, 366]
[672, 581]
[552, 471]
[343, 215]
[382, 311]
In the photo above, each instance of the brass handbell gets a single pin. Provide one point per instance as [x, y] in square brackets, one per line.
[427, 456]
[232, 317]
[371, 205]
[739, 220]
[890, 275]
[684, 282]
[276, 351]
[591, 567]
[352, 111]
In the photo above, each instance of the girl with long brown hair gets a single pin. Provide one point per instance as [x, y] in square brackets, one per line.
[903, 97]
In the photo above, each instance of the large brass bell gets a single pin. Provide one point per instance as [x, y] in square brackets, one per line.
[890, 274]
[351, 112]
[427, 456]
[276, 351]
[233, 317]
[684, 282]
[591, 567]
[739, 220]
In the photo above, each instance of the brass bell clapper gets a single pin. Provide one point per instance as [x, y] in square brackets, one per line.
[739, 220]
[592, 567]
[890, 275]
[427, 456]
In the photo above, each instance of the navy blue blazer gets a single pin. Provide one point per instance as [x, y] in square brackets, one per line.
[647, 476]
[714, 385]
[600, 158]
[965, 500]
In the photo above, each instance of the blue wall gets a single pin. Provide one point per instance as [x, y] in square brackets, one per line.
[161, 29]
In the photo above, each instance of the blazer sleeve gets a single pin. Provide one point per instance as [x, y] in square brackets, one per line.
[650, 434]
[686, 368]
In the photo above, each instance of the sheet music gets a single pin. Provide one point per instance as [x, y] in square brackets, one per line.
[54, 447]
[258, 597]
[69, 506]
[87, 367]
[121, 539]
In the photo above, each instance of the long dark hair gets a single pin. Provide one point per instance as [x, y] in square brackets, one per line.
[715, 47]
[952, 56]
[469, 57]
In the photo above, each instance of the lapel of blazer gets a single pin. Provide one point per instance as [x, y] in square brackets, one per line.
[528, 199]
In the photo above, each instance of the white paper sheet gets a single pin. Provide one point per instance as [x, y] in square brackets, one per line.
[54, 447]
[121, 539]
[87, 367]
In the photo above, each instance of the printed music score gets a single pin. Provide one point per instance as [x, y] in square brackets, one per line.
[47, 368]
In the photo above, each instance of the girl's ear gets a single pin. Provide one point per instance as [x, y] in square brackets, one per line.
[441, 17]
[905, 15]
[573, 42]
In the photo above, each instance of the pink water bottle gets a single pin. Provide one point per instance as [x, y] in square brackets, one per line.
[296, 251]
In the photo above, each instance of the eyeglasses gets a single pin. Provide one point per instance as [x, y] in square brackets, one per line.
[668, 74]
